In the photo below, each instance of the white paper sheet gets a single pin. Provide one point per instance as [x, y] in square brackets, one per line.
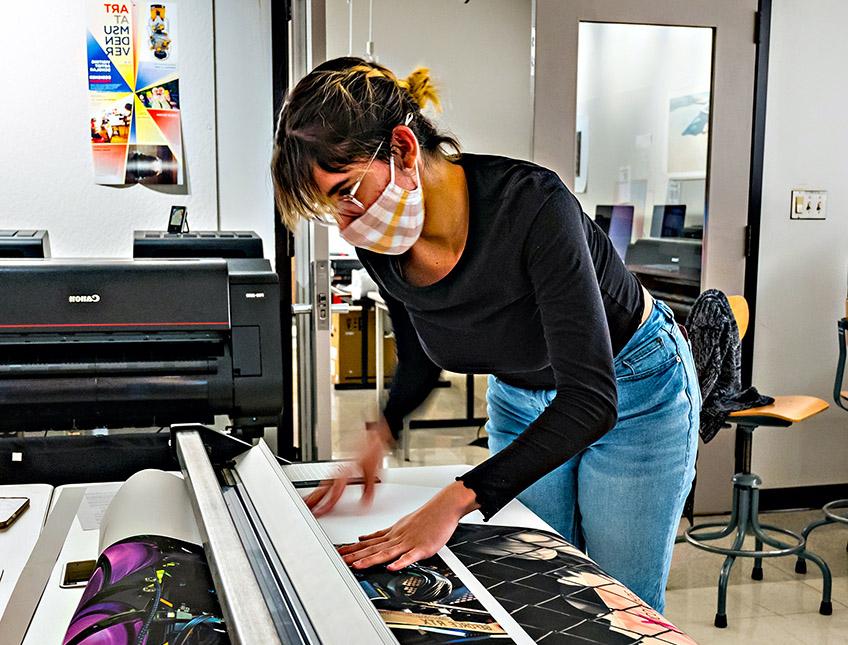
[151, 502]
[350, 519]
[94, 505]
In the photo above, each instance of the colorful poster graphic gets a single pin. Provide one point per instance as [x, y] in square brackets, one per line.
[555, 592]
[134, 95]
[149, 589]
[427, 603]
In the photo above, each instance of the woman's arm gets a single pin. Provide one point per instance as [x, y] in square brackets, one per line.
[414, 378]
[415, 375]
[562, 273]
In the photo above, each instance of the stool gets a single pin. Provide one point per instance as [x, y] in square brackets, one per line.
[831, 516]
[744, 515]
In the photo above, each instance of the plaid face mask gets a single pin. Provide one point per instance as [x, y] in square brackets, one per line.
[393, 223]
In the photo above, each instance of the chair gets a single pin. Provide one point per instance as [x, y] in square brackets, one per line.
[744, 515]
[840, 397]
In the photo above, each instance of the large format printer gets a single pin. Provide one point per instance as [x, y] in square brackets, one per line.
[88, 344]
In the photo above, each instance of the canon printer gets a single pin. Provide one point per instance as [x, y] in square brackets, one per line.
[88, 344]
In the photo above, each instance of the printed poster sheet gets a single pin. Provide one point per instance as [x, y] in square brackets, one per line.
[134, 95]
[490, 584]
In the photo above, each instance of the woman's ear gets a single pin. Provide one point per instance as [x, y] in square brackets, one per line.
[405, 147]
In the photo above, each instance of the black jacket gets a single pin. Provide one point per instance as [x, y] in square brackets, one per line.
[716, 349]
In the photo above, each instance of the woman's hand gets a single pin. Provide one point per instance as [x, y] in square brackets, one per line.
[378, 439]
[416, 536]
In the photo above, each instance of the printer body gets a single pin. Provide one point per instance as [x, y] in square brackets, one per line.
[138, 343]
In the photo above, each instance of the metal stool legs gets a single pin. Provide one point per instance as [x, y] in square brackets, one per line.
[744, 521]
[830, 517]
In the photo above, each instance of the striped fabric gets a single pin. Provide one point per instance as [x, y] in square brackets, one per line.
[393, 223]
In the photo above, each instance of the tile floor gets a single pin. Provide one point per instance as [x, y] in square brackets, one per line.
[782, 608]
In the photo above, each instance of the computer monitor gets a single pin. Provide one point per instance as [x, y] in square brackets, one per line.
[617, 222]
[667, 220]
[24, 244]
[199, 244]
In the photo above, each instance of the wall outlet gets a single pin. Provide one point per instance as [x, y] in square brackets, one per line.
[808, 204]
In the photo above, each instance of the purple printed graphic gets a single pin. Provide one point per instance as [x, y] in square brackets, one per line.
[149, 590]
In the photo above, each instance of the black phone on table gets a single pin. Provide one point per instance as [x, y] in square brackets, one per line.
[11, 509]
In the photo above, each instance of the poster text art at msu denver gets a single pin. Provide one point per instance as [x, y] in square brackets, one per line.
[133, 83]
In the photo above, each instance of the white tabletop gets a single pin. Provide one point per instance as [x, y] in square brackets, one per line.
[513, 514]
[402, 491]
[16, 542]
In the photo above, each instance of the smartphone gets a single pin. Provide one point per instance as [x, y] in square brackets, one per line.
[176, 222]
[11, 509]
[77, 573]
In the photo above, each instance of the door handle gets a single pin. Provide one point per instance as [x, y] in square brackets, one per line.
[302, 309]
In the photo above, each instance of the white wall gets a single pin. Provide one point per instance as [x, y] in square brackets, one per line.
[478, 54]
[245, 117]
[46, 178]
[803, 264]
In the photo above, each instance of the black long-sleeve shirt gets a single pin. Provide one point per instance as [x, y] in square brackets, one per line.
[539, 298]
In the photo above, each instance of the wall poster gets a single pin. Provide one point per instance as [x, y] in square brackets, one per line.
[134, 95]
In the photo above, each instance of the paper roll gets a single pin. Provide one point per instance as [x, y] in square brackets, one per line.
[151, 502]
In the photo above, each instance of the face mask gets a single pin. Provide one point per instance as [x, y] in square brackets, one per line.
[393, 223]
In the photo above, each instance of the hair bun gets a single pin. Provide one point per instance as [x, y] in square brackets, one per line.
[421, 88]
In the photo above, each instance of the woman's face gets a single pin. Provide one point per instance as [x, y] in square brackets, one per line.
[372, 180]
[336, 185]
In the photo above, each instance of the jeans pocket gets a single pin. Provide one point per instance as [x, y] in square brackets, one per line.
[648, 359]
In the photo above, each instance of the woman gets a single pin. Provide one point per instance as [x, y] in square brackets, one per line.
[489, 265]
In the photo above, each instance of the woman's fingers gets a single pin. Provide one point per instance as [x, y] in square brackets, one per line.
[364, 552]
[318, 494]
[368, 489]
[410, 557]
[331, 497]
[383, 555]
[348, 548]
[373, 535]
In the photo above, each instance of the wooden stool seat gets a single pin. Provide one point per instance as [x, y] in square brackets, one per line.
[792, 409]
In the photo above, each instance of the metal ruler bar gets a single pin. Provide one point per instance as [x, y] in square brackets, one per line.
[311, 562]
[245, 611]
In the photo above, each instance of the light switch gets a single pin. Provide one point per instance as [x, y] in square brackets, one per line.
[808, 204]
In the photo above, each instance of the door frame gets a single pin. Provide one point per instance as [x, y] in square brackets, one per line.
[763, 38]
[305, 40]
[283, 239]
[737, 128]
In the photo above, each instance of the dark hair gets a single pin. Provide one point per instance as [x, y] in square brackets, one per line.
[340, 113]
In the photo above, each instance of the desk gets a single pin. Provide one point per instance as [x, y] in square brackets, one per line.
[418, 424]
[408, 488]
[403, 490]
[17, 541]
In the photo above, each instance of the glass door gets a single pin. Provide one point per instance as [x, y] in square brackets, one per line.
[489, 108]
[641, 148]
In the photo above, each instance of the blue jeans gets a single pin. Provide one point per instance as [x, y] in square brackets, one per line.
[621, 499]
